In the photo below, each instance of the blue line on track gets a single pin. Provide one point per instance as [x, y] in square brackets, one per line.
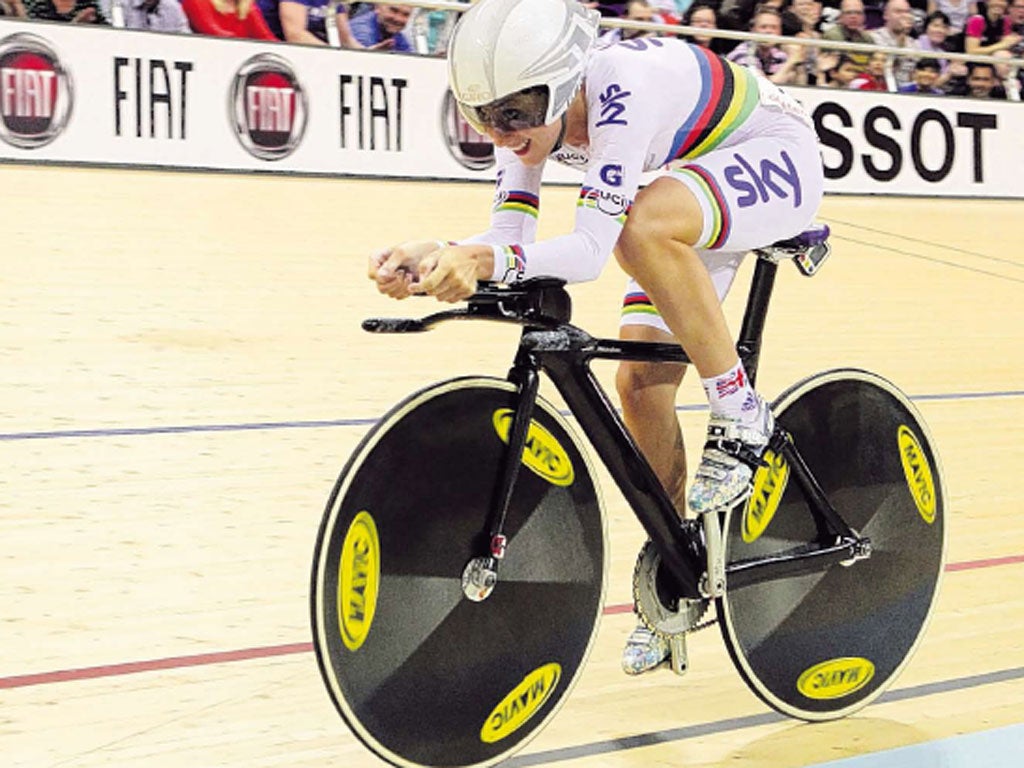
[71, 434]
[752, 721]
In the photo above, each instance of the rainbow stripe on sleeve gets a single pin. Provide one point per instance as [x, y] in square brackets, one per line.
[514, 262]
[590, 197]
[728, 95]
[519, 201]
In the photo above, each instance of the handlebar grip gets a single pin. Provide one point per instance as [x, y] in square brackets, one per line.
[393, 325]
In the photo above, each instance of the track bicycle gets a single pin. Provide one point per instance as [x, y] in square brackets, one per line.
[459, 570]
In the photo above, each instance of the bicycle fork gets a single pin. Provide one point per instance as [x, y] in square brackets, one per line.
[481, 573]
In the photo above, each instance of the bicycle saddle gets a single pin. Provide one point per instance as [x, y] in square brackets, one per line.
[816, 234]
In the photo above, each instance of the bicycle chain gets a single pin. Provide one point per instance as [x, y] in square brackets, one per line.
[659, 618]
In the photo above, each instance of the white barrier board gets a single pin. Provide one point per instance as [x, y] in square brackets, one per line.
[103, 96]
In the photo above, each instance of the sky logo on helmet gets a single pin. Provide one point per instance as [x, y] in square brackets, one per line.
[268, 105]
[470, 149]
[35, 92]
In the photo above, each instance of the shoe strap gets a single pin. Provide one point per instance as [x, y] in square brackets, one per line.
[724, 439]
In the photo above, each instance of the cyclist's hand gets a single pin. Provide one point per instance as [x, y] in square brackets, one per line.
[451, 273]
[394, 269]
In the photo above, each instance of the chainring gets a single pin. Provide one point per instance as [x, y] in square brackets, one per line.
[663, 614]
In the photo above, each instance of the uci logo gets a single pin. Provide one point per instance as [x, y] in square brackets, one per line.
[521, 703]
[762, 183]
[610, 203]
[918, 473]
[836, 678]
[769, 485]
[542, 453]
[358, 580]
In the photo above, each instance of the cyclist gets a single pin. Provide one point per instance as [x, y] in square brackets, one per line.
[736, 167]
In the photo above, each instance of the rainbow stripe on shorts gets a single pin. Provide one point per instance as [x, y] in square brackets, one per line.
[721, 218]
[637, 303]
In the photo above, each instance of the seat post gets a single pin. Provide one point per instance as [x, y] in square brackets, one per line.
[748, 346]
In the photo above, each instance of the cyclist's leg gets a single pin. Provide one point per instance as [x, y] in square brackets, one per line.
[648, 391]
[648, 395]
[713, 205]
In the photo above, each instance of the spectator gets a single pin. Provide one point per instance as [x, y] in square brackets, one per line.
[738, 14]
[767, 58]
[843, 73]
[381, 27]
[636, 10]
[1008, 76]
[305, 21]
[703, 17]
[1016, 15]
[13, 8]
[70, 11]
[935, 38]
[154, 15]
[873, 78]
[808, 13]
[899, 22]
[926, 76]
[991, 32]
[957, 12]
[670, 11]
[227, 18]
[850, 29]
[980, 82]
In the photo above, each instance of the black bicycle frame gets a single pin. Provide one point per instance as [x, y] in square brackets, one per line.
[551, 344]
[564, 353]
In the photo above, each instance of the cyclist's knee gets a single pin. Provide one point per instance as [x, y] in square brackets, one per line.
[643, 386]
[662, 214]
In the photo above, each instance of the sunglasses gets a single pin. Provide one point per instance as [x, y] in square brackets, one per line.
[520, 111]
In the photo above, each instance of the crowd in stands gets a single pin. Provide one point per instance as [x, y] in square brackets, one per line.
[994, 27]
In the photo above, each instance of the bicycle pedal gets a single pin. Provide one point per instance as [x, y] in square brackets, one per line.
[678, 661]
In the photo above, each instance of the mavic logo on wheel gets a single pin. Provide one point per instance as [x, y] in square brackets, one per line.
[542, 453]
[918, 473]
[521, 704]
[769, 485]
[358, 580]
[836, 678]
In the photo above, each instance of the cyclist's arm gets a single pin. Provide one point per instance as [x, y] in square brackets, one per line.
[609, 187]
[516, 203]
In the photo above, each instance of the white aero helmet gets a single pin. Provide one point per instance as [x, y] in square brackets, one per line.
[503, 47]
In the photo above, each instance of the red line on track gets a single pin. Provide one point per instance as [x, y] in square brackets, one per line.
[246, 654]
[970, 565]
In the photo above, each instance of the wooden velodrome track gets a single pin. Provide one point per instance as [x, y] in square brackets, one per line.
[183, 376]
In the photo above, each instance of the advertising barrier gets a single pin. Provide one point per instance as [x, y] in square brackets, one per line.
[101, 96]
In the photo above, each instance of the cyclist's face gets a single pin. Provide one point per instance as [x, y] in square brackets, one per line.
[517, 123]
[521, 111]
[532, 145]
